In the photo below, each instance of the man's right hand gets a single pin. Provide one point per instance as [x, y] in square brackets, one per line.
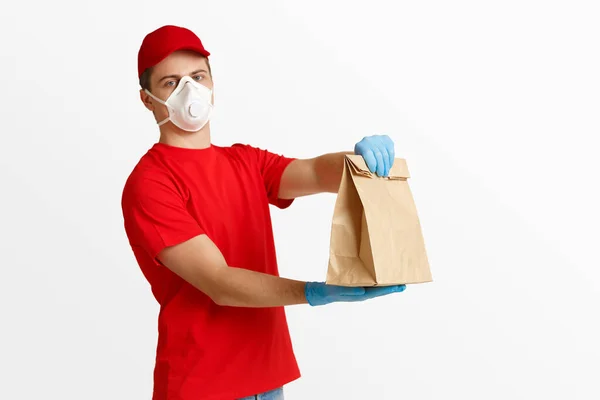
[319, 293]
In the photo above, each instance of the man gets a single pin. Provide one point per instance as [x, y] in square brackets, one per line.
[198, 221]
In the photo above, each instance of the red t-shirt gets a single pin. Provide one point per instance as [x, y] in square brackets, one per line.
[206, 351]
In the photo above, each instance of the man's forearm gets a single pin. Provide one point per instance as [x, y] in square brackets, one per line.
[310, 176]
[200, 263]
[244, 288]
[328, 170]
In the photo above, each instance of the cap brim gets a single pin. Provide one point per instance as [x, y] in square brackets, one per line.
[190, 48]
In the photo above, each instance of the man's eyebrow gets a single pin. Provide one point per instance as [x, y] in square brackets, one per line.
[178, 77]
[169, 76]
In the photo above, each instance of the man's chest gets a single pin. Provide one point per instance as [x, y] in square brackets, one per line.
[232, 209]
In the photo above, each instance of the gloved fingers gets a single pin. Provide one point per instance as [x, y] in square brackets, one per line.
[389, 145]
[384, 153]
[361, 147]
[371, 161]
[377, 291]
[347, 291]
[378, 153]
[380, 164]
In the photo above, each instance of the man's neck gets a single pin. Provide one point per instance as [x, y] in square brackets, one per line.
[176, 137]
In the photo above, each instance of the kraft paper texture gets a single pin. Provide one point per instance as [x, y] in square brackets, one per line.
[376, 236]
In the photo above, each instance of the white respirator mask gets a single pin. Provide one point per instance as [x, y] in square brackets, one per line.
[190, 105]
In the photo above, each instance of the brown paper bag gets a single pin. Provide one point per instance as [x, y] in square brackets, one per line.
[376, 235]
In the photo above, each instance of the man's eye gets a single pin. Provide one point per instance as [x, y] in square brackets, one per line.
[170, 83]
[198, 77]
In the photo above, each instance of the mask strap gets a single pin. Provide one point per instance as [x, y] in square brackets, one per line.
[154, 97]
[164, 121]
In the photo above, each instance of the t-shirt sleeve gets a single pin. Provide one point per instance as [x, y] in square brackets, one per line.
[271, 168]
[155, 215]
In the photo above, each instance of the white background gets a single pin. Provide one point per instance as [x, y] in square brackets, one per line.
[495, 106]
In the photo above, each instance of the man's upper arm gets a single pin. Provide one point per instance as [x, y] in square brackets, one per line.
[271, 167]
[157, 221]
[155, 214]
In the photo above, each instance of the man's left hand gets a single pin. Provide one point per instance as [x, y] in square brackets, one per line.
[378, 152]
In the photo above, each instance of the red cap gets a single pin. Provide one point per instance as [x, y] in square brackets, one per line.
[157, 45]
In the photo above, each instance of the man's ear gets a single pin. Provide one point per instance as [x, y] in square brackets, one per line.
[147, 100]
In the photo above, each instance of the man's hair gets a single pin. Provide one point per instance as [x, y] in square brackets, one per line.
[145, 77]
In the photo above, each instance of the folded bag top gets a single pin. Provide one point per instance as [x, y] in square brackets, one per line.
[399, 169]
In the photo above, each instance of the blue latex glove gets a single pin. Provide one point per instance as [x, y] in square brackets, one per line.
[378, 152]
[319, 293]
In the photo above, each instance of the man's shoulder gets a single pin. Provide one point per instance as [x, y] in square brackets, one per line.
[235, 148]
[239, 151]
